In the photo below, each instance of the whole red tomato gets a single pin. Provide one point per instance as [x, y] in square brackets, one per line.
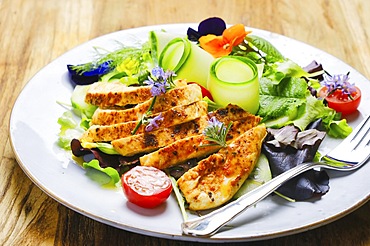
[146, 187]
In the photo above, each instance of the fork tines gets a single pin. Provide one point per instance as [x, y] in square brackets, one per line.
[360, 136]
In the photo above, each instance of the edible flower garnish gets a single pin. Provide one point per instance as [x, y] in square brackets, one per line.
[216, 131]
[161, 81]
[127, 62]
[85, 74]
[213, 25]
[152, 123]
[222, 45]
[338, 82]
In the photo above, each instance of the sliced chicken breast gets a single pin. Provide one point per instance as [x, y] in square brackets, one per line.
[171, 117]
[194, 146]
[216, 179]
[177, 96]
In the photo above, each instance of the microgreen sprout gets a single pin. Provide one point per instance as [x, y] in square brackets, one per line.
[161, 82]
[216, 132]
[338, 82]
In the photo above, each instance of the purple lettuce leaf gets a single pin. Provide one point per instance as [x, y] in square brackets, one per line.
[285, 155]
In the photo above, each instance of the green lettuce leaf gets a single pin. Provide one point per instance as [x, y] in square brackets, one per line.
[289, 102]
[272, 54]
[104, 176]
[277, 71]
[69, 129]
[281, 103]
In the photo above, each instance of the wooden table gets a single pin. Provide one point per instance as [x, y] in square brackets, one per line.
[34, 32]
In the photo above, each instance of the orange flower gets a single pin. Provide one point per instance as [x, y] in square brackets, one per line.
[219, 46]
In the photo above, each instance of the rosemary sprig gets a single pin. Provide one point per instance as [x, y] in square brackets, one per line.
[216, 132]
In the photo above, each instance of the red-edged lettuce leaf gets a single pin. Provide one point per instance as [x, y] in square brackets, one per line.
[117, 162]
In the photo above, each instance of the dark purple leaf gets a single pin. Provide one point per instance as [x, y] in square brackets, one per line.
[313, 67]
[284, 157]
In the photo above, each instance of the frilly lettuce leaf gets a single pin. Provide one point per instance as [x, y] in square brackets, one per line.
[336, 128]
[289, 102]
[104, 176]
[280, 70]
[69, 129]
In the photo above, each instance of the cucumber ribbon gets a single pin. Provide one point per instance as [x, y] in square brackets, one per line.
[234, 79]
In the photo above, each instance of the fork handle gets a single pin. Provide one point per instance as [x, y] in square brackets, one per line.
[209, 224]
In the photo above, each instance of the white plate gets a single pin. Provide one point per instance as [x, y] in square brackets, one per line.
[34, 131]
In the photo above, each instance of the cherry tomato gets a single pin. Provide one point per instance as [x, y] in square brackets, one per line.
[341, 102]
[205, 92]
[146, 187]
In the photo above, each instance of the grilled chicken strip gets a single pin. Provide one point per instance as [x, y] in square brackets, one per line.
[151, 141]
[175, 97]
[112, 94]
[216, 179]
[171, 117]
[194, 146]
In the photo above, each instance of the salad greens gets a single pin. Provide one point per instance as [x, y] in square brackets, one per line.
[284, 95]
[286, 148]
[283, 89]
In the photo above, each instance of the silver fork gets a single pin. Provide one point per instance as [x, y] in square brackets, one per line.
[350, 154]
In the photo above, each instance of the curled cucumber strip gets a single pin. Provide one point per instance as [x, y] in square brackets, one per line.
[234, 79]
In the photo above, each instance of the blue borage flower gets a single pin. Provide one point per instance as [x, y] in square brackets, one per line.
[338, 82]
[216, 132]
[161, 81]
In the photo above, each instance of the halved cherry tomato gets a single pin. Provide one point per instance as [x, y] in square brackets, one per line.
[341, 102]
[146, 187]
[205, 92]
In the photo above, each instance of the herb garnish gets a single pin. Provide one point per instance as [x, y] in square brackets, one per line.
[161, 82]
[339, 82]
[216, 132]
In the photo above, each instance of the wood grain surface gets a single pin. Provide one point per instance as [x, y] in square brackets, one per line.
[34, 32]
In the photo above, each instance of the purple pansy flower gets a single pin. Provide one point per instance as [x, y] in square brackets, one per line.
[213, 25]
